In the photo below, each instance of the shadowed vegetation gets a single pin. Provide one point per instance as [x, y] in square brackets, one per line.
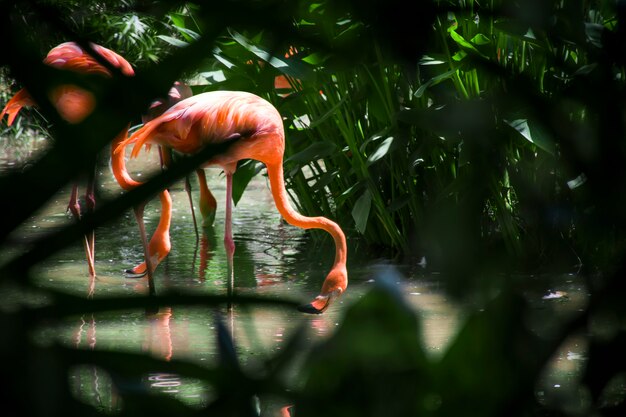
[486, 137]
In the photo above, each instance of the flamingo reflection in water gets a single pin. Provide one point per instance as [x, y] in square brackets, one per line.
[157, 341]
[256, 131]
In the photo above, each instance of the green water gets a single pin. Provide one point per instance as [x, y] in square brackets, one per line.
[271, 258]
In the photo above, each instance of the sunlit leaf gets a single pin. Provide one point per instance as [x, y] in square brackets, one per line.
[314, 59]
[434, 81]
[292, 67]
[459, 55]
[577, 182]
[226, 62]
[173, 41]
[429, 60]
[464, 43]
[189, 34]
[381, 151]
[533, 132]
[480, 39]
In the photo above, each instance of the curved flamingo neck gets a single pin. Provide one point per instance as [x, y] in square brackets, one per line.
[118, 163]
[281, 199]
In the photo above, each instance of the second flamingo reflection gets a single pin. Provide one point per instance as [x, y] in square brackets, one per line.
[221, 116]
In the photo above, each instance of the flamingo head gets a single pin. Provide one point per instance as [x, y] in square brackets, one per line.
[334, 285]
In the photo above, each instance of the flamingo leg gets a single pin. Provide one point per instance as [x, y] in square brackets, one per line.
[139, 210]
[229, 243]
[90, 202]
[165, 156]
[73, 205]
[74, 208]
[193, 211]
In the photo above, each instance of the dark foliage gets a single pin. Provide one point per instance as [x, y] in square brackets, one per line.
[374, 364]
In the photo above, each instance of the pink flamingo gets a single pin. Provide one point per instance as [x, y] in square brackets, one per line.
[222, 116]
[73, 105]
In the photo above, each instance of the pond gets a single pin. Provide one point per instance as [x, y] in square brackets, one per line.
[271, 258]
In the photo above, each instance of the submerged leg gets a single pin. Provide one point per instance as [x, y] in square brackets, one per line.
[74, 208]
[229, 243]
[90, 202]
[166, 157]
[73, 205]
[144, 241]
[193, 211]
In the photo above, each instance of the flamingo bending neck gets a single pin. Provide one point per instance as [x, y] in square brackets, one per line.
[336, 281]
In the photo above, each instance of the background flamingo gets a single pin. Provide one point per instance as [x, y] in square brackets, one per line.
[222, 116]
[73, 104]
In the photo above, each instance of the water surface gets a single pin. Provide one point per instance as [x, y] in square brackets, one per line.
[271, 258]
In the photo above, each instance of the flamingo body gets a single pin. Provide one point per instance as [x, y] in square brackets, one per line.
[72, 102]
[217, 117]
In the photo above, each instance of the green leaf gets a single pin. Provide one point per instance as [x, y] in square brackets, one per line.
[534, 133]
[224, 61]
[188, 34]
[178, 20]
[434, 81]
[480, 39]
[460, 40]
[361, 211]
[292, 67]
[429, 60]
[314, 59]
[245, 172]
[315, 151]
[173, 41]
[594, 33]
[459, 55]
[381, 151]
